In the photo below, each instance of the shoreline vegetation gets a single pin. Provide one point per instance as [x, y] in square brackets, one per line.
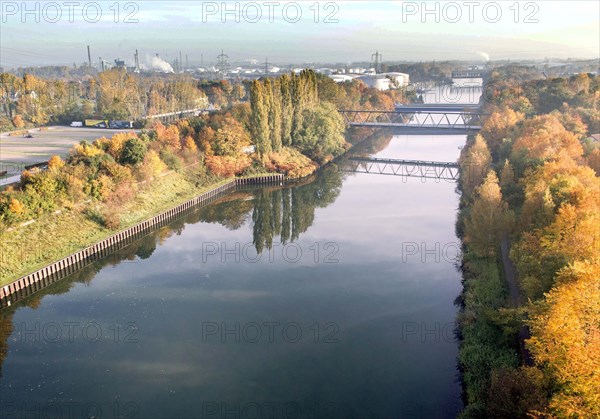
[289, 126]
[530, 180]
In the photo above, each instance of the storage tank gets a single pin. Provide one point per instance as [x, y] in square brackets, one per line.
[379, 82]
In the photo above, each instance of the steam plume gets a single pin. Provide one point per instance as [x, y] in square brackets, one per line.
[483, 55]
[157, 63]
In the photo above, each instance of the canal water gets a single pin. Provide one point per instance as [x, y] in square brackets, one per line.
[330, 298]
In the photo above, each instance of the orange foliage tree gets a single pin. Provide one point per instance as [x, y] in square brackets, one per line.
[168, 136]
[500, 125]
[543, 137]
[566, 340]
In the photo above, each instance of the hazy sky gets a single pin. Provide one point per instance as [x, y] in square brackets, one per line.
[286, 32]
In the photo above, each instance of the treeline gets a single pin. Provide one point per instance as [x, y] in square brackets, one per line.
[114, 94]
[426, 71]
[531, 344]
[292, 130]
[111, 171]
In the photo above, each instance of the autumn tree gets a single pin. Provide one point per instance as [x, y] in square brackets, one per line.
[55, 163]
[474, 162]
[594, 161]
[230, 139]
[18, 121]
[489, 218]
[565, 340]
[499, 126]
[543, 137]
[168, 136]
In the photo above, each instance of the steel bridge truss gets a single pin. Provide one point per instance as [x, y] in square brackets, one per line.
[405, 168]
[457, 120]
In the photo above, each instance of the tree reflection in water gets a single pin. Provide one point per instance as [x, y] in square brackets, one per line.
[284, 212]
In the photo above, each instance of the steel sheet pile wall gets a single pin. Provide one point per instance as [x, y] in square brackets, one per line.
[44, 277]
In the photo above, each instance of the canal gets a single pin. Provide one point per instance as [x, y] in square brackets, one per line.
[330, 298]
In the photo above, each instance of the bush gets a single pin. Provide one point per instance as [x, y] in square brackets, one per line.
[228, 166]
[172, 161]
[111, 218]
[290, 162]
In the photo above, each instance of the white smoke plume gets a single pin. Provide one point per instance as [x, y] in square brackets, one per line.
[157, 63]
[483, 55]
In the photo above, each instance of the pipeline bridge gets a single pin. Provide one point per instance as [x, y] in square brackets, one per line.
[417, 117]
[405, 168]
[174, 116]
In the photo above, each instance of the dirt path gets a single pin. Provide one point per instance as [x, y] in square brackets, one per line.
[510, 274]
[514, 297]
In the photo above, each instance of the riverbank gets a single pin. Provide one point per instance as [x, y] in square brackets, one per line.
[67, 265]
[31, 246]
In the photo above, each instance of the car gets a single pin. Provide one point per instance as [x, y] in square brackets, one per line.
[28, 135]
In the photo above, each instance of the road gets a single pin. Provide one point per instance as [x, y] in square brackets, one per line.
[17, 151]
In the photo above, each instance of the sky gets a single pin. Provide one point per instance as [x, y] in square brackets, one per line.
[287, 32]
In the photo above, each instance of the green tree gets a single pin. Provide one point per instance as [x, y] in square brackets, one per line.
[322, 134]
[259, 119]
[274, 92]
[134, 152]
[287, 110]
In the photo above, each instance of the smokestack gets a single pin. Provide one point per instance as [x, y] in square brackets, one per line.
[89, 56]
[137, 60]
[102, 63]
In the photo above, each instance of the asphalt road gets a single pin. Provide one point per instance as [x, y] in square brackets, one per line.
[18, 151]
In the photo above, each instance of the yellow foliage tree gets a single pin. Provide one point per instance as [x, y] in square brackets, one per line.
[190, 145]
[116, 143]
[560, 219]
[16, 206]
[500, 125]
[474, 165]
[594, 161]
[228, 165]
[566, 340]
[488, 219]
[87, 150]
[152, 165]
[544, 137]
[55, 162]
[554, 183]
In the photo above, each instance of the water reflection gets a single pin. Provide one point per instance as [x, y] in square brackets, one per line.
[282, 213]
